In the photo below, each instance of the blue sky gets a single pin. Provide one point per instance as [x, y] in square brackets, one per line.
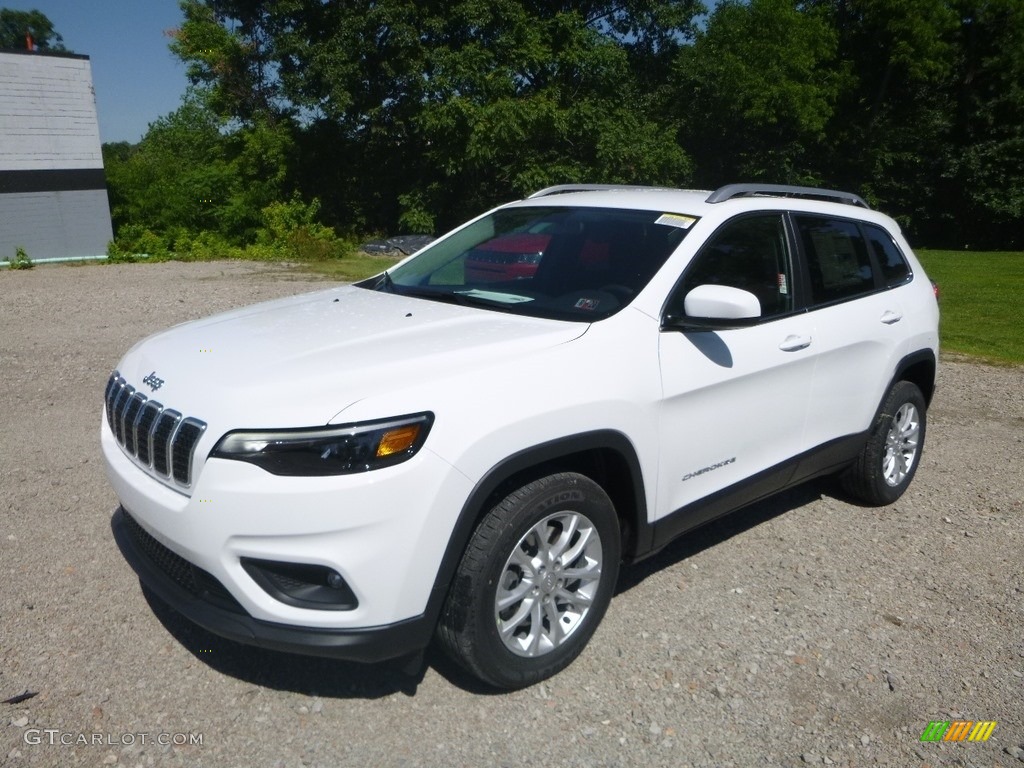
[135, 76]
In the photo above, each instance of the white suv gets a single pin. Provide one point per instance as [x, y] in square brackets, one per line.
[471, 453]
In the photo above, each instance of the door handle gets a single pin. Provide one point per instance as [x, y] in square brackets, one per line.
[794, 343]
[891, 316]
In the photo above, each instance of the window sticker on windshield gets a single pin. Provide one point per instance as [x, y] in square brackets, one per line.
[588, 304]
[783, 285]
[675, 220]
[504, 298]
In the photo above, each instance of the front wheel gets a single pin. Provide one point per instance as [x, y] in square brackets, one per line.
[893, 450]
[534, 582]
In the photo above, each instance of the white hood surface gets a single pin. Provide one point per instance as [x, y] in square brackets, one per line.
[323, 351]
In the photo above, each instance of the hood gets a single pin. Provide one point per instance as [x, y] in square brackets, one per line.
[303, 360]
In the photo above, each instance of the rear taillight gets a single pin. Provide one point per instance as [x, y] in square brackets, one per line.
[935, 289]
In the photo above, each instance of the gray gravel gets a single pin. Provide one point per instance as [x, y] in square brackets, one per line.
[804, 631]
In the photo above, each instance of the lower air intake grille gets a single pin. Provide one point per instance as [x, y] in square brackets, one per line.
[191, 578]
[159, 439]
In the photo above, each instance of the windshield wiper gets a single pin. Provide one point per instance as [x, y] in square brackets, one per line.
[381, 282]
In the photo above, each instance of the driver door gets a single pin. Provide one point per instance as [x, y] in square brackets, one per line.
[734, 401]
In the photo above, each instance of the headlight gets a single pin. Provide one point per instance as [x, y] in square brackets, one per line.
[338, 450]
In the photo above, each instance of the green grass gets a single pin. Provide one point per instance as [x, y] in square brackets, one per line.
[351, 267]
[981, 298]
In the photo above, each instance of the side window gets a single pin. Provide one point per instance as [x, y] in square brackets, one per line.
[893, 264]
[837, 258]
[749, 253]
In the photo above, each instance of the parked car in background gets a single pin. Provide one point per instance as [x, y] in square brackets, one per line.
[508, 257]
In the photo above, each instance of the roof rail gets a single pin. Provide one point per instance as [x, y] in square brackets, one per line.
[559, 189]
[729, 191]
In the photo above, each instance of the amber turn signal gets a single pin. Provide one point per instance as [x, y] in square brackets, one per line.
[397, 440]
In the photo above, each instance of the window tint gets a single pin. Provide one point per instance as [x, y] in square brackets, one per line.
[894, 266]
[749, 253]
[837, 258]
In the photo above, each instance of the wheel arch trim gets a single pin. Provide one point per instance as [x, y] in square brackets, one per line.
[922, 368]
[557, 455]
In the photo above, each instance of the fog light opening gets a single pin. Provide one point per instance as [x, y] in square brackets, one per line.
[302, 585]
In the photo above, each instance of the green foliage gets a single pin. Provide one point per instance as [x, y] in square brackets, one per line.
[405, 116]
[281, 220]
[15, 25]
[418, 114]
[508, 117]
[980, 302]
[177, 175]
[232, 65]
[892, 122]
[416, 217]
[984, 170]
[20, 260]
[932, 125]
[134, 241]
[291, 230]
[190, 173]
[755, 92]
[118, 252]
[287, 231]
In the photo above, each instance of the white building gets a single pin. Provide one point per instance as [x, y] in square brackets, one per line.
[53, 192]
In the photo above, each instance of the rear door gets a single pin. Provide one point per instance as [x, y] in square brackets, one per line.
[853, 275]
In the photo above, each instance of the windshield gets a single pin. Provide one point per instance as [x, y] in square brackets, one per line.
[579, 264]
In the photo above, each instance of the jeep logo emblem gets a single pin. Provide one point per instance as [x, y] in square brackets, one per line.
[153, 382]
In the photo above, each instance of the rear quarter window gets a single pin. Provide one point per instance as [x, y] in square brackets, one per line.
[892, 262]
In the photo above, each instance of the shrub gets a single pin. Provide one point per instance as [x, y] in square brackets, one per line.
[21, 259]
[291, 230]
[134, 240]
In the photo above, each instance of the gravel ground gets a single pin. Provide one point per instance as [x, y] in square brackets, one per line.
[803, 631]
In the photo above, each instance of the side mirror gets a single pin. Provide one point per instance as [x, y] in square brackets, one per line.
[716, 307]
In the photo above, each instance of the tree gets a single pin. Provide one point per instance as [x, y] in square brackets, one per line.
[516, 101]
[983, 175]
[424, 111]
[417, 113]
[754, 94]
[891, 126]
[189, 175]
[916, 104]
[932, 128]
[16, 26]
[230, 49]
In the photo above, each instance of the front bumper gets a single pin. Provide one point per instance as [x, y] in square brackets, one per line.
[383, 532]
[209, 605]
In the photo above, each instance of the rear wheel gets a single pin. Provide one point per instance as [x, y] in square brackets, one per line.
[534, 582]
[893, 451]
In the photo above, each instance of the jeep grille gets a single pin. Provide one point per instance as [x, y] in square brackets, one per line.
[158, 439]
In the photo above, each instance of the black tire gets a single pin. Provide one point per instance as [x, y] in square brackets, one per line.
[890, 458]
[563, 514]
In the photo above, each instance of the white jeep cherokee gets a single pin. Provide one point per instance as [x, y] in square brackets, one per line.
[468, 445]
